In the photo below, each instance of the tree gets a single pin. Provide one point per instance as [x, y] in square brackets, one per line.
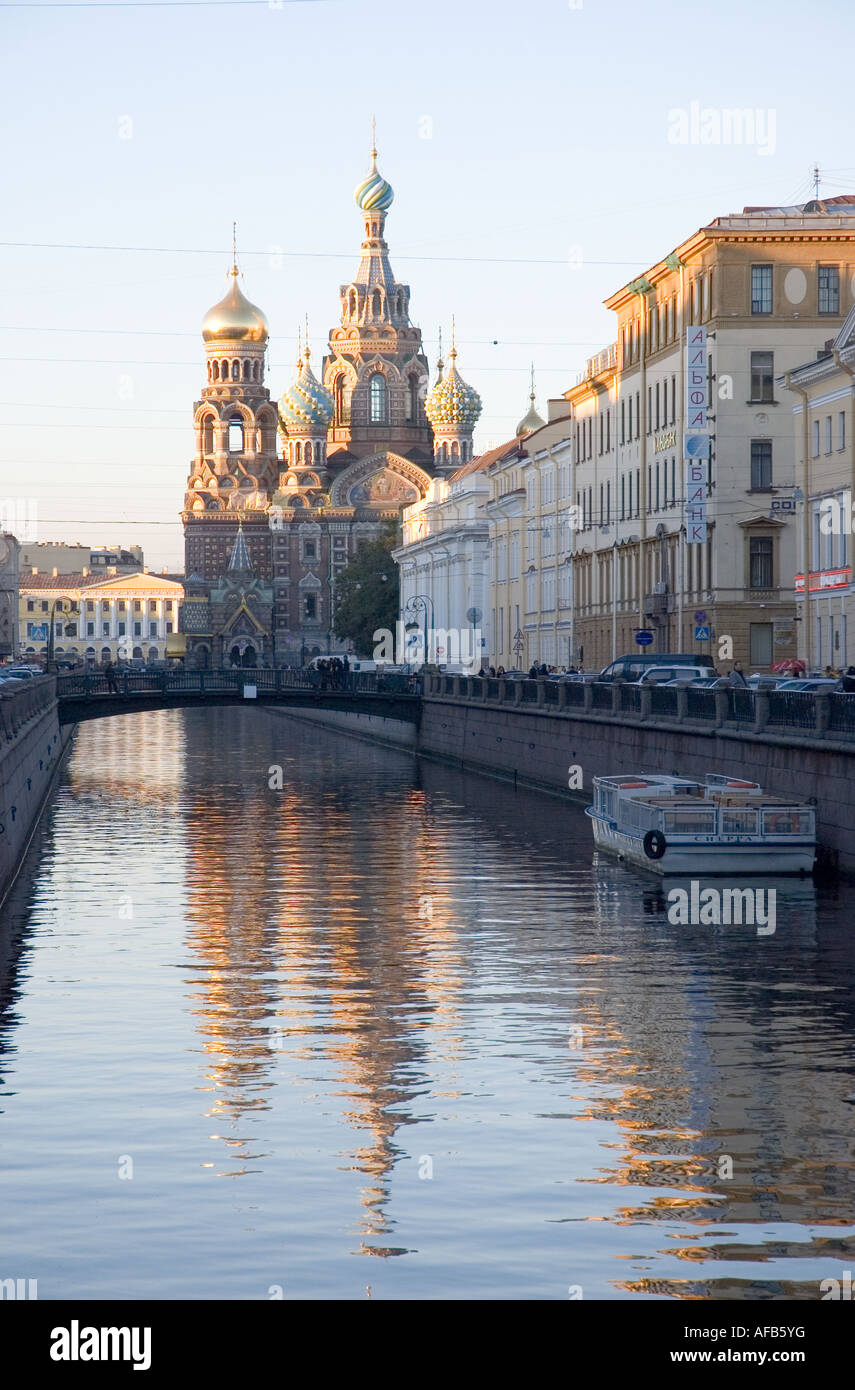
[367, 592]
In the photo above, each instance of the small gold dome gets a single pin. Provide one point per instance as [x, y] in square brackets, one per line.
[234, 319]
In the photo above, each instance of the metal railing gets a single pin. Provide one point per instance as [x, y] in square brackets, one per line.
[123, 683]
[822, 713]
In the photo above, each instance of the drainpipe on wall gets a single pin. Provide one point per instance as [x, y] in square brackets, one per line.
[806, 613]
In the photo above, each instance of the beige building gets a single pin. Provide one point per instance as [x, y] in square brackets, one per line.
[531, 534]
[75, 559]
[769, 286]
[96, 618]
[822, 391]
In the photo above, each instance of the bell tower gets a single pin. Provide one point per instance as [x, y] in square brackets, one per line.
[376, 370]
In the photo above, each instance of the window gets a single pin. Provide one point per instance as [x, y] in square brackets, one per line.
[309, 550]
[841, 430]
[673, 399]
[816, 439]
[762, 376]
[169, 627]
[761, 289]
[828, 289]
[828, 434]
[378, 393]
[30, 606]
[169, 605]
[338, 394]
[121, 605]
[310, 606]
[761, 465]
[235, 435]
[137, 605]
[105, 629]
[138, 629]
[152, 629]
[760, 644]
[413, 399]
[760, 552]
[90, 606]
[90, 629]
[121, 630]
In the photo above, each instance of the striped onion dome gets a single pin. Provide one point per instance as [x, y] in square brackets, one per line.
[453, 403]
[306, 406]
[374, 194]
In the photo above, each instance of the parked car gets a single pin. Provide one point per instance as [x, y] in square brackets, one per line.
[808, 683]
[633, 665]
[672, 675]
[758, 681]
[699, 682]
[19, 672]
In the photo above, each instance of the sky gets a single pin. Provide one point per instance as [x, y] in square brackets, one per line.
[535, 155]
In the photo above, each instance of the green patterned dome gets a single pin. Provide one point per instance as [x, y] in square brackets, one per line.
[374, 194]
[306, 406]
[453, 403]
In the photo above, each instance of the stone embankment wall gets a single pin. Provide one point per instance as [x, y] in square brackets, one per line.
[31, 745]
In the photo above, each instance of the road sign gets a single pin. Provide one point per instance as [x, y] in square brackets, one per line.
[700, 616]
[644, 638]
[702, 632]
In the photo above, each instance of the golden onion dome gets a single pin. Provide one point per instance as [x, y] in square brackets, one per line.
[234, 319]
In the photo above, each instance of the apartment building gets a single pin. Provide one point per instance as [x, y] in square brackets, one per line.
[822, 412]
[769, 286]
[97, 619]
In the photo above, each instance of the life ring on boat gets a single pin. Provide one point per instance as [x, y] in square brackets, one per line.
[654, 844]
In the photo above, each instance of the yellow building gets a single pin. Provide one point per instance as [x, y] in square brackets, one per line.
[822, 392]
[768, 286]
[96, 619]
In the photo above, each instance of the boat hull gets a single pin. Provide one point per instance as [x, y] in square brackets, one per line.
[689, 856]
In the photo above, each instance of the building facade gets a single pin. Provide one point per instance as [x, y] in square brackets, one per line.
[97, 618]
[309, 481]
[9, 595]
[769, 286]
[823, 395]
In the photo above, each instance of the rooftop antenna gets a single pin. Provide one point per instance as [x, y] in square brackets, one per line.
[815, 177]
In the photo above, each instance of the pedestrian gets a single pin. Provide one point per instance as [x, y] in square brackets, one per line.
[532, 671]
[110, 677]
[847, 681]
[736, 680]
[500, 671]
[492, 670]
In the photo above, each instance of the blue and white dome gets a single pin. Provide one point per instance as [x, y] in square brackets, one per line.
[374, 194]
[306, 407]
[453, 403]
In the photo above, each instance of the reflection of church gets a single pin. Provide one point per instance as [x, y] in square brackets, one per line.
[356, 448]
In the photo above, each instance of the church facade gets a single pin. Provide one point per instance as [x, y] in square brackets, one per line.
[280, 497]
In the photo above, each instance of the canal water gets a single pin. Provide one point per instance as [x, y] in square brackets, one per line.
[370, 1027]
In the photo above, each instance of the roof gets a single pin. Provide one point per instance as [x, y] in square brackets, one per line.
[483, 461]
[61, 581]
[137, 582]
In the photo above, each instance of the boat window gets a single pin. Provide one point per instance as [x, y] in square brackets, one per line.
[693, 822]
[787, 822]
[739, 822]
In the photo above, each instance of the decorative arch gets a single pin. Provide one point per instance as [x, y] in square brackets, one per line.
[364, 469]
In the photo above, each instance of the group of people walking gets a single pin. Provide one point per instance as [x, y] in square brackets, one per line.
[333, 672]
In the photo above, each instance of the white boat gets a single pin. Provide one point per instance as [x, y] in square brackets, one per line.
[673, 825]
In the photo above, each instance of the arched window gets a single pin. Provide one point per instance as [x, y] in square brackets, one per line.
[400, 304]
[353, 303]
[378, 399]
[208, 433]
[378, 305]
[235, 371]
[255, 376]
[308, 455]
[215, 370]
[224, 371]
[298, 453]
[247, 371]
[413, 399]
[338, 393]
[455, 452]
[235, 435]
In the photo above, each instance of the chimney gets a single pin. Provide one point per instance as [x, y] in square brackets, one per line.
[84, 571]
[35, 571]
[55, 572]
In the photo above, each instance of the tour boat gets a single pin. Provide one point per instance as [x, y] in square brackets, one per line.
[673, 825]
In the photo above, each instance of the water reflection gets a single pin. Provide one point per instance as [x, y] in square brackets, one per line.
[394, 1010]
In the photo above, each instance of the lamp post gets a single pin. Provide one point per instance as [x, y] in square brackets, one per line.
[416, 603]
[57, 603]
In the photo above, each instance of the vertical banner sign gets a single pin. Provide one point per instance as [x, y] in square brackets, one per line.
[697, 469]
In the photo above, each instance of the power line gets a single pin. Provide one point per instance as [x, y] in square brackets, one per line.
[301, 255]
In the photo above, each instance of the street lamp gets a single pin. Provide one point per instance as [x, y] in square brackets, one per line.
[419, 602]
[57, 603]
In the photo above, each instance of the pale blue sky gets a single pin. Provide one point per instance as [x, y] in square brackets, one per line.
[548, 142]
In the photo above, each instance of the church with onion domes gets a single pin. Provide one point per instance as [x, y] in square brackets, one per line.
[281, 496]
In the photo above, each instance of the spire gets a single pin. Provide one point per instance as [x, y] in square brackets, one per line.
[440, 365]
[234, 250]
[531, 420]
[240, 555]
[453, 352]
